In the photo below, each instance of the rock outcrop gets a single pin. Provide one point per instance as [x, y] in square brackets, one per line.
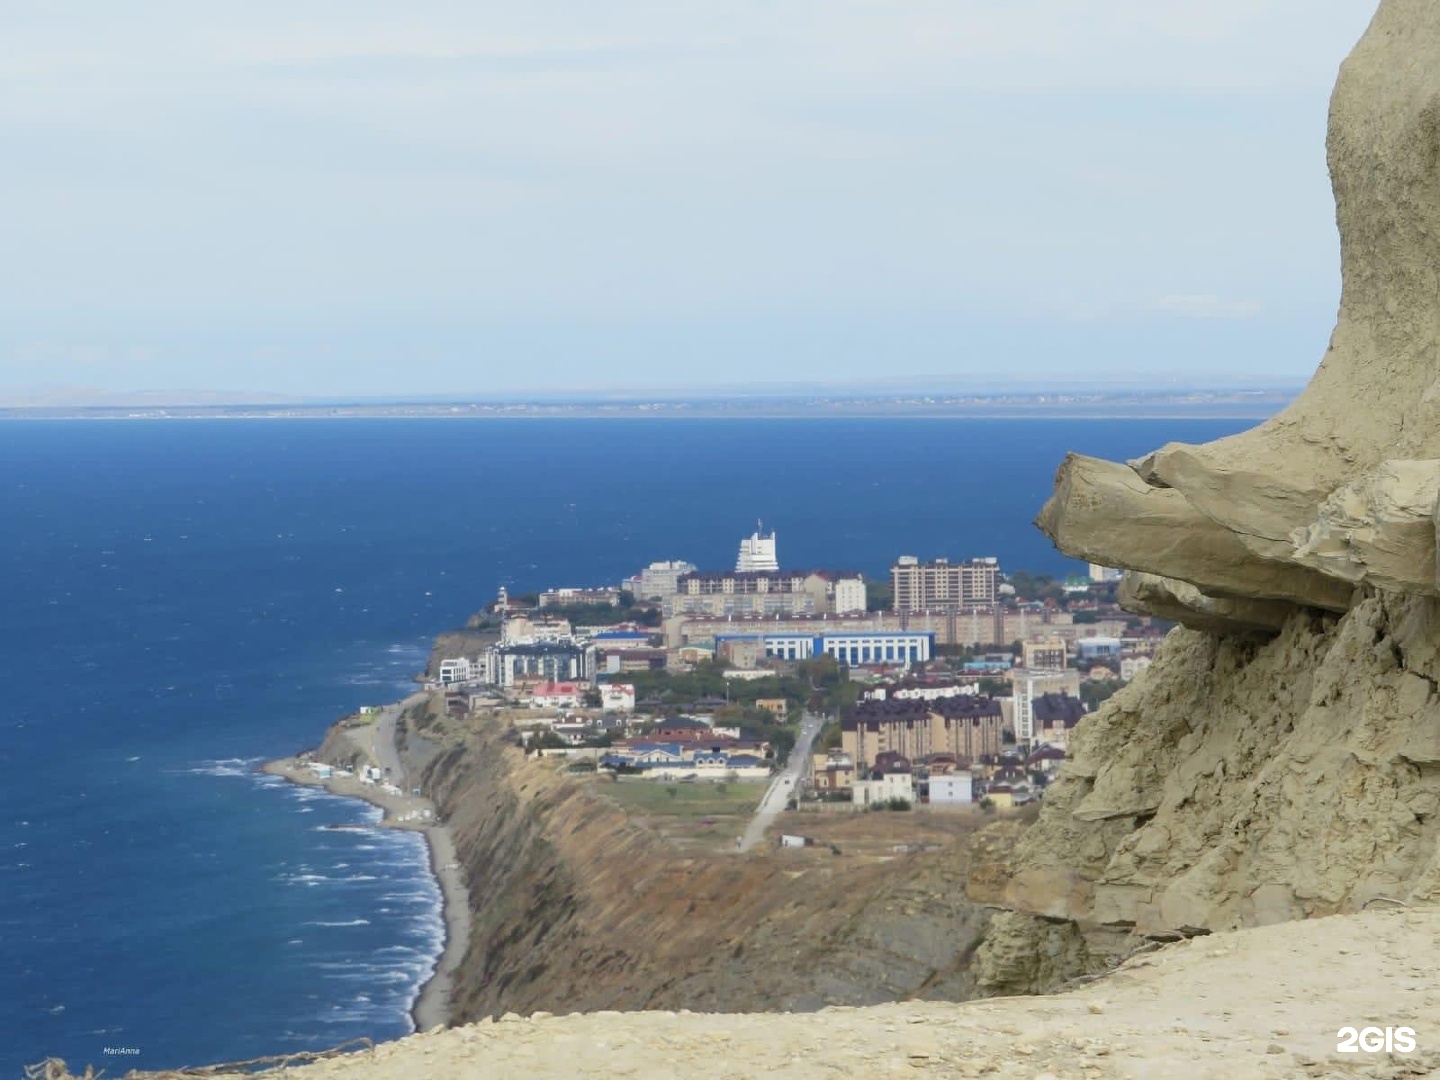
[1339, 489]
[1281, 757]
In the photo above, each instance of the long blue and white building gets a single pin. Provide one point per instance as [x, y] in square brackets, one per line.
[851, 648]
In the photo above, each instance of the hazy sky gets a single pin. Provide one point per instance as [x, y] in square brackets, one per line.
[354, 197]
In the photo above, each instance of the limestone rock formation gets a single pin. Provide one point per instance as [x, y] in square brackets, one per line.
[1340, 488]
[1280, 759]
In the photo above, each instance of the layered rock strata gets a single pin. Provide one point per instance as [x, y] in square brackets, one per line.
[1281, 758]
[1339, 489]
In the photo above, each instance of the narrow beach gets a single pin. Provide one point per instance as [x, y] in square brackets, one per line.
[432, 1006]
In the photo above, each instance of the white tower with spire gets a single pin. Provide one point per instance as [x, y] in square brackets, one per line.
[757, 552]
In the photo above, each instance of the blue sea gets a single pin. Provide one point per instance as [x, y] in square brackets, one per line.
[183, 599]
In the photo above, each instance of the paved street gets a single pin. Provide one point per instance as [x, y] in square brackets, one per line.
[784, 785]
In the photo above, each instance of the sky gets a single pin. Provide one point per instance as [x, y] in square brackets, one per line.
[356, 198]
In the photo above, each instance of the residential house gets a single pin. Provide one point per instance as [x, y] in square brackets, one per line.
[952, 789]
[557, 695]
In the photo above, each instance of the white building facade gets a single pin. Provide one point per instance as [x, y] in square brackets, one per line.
[854, 649]
[952, 789]
[886, 789]
[617, 697]
[464, 669]
[658, 580]
[849, 595]
[757, 552]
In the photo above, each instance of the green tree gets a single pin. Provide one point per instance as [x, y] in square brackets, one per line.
[879, 595]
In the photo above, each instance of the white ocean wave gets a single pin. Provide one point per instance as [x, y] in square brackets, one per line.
[225, 767]
[346, 922]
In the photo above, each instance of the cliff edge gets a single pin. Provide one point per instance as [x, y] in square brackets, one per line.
[1244, 1005]
[1281, 757]
[577, 907]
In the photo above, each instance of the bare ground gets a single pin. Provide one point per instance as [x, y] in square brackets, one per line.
[1261, 1003]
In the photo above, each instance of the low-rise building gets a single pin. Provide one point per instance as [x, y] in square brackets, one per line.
[464, 669]
[832, 772]
[579, 597]
[557, 695]
[617, 697]
[892, 782]
[777, 707]
[951, 789]
[853, 649]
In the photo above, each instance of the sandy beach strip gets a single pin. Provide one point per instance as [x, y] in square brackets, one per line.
[432, 1007]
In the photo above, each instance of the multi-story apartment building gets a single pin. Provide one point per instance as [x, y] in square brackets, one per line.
[658, 580]
[991, 625]
[766, 592]
[941, 585]
[541, 661]
[967, 728]
[1051, 654]
[1028, 686]
[1055, 717]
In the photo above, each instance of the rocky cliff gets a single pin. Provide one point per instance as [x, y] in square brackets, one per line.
[1281, 759]
[576, 907]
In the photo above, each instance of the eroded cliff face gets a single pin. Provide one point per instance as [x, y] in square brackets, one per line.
[1239, 783]
[1340, 488]
[575, 908]
[1281, 758]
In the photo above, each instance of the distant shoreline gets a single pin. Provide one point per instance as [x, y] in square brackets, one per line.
[1255, 412]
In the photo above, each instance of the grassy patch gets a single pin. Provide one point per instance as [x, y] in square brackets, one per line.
[686, 801]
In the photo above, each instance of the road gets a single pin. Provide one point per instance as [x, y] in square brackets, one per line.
[383, 751]
[783, 786]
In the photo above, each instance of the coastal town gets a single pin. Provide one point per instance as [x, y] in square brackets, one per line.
[952, 685]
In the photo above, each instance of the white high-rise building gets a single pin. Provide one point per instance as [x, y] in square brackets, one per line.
[757, 552]
[1105, 573]
[658, 580]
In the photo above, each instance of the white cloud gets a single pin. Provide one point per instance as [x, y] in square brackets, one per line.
[643, 159]
[1207, 306]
